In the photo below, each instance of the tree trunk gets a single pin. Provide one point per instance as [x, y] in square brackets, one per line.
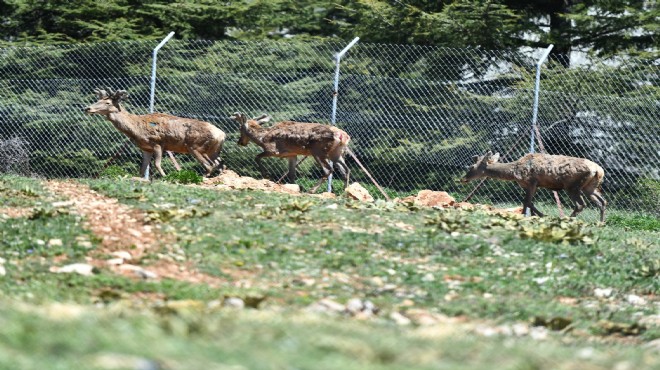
[560, 32]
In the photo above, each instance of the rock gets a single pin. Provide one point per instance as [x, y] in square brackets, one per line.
[430, 198]
[111, 361]
[327, 305]
[354, 305]
[291, 188]
[63, 204]
[3, 272]
[603, 292]
[76, 268]
[123, 255]
[115, 261]
[399, 319]
[55, 243]
[635, 300]
[653, 345]
[139, 271]
[233, 302]
[428, 277]
[327, 195]
[358, 192]
[463, 205]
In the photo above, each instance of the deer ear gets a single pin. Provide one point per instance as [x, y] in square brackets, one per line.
[264, 118]
[475, 159]
[494, 158]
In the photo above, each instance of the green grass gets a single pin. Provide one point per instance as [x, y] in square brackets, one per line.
[294, 251]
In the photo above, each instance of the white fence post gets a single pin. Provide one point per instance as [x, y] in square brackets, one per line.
[153, 82]
[335, 93]
[537, 87]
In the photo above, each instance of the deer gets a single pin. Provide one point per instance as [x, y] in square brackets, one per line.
[577, 176]
[158, 132]
[288, 139]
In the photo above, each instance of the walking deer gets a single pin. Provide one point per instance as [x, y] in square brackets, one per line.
[158, 132]
[288, 139]
[577, 176]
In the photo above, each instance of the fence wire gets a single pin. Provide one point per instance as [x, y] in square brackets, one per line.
[416, 114]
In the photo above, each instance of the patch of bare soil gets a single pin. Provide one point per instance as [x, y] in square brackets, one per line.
[125, 236]
[15, 212]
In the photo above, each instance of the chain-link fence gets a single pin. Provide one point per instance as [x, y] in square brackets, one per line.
[416, 114]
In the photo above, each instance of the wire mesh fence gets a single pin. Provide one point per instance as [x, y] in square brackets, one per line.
[416, 114]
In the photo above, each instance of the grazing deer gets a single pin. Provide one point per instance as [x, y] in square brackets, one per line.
[555, 172]
[289, 139]
[158, 132]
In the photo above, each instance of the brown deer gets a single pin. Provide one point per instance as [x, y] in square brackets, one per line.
[158, 132]
[555, 172]
[288, 139]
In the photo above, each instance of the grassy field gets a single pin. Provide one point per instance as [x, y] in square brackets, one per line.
[327, 284]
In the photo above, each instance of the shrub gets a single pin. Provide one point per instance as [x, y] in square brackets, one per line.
[184, 177]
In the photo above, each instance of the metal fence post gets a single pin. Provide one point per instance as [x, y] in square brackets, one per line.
[335, 92]
[153, 83]
[537, 87]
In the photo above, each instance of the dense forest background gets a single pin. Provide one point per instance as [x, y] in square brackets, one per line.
[430, 84]
[603, 27]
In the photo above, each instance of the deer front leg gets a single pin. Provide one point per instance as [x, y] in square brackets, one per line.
[293, 163]
[261, 167]
[530, 191]
[146, 159]
[158, 158]
[578, 201]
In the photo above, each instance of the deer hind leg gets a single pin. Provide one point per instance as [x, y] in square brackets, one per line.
[591, 191]
[327, 171]
[146, 159]
[214, 161]
[203, 160]
[343, 169]
[576, 197]
[158, 158]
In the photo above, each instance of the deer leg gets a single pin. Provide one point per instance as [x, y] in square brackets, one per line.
[529, 195]
[293, 162]
[576, 197]
[327, 171]
[146, 159]
[203, 160]
[343, 169]
[600, 202]
[261, 167]
[158, 157]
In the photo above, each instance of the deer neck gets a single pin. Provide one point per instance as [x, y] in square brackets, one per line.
[256, 134]
[125, 122]
[500, 171]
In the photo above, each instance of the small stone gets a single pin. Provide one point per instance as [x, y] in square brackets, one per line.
[354, 305]
[77, 268]
[635, 300]
[291, 188]
[428, 277]
[55, 243]
[115, 261]
[123, 255]
[399, 319]
[2, 260]
[139, 271]
[327, 305]
[3, 272]
[603, 292]
[63, 204]
[332, 206]
[233, 302]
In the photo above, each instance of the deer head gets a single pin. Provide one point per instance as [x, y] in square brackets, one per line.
[108, 101]
[477, 170]
[242, 119]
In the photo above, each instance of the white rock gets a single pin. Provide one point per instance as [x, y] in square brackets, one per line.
[77, 268]
[603, 292]
[327, 305]
[635, 300]
[538, 333]
[123, 255]
[332, 206]
[138, 271]
[541, 280]
[399, 318]
[63, 204]
[115, 261]
[233, 302]
[354, 305]
[3, 272]
[55, 243]
[2, 261]
[428, 277]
